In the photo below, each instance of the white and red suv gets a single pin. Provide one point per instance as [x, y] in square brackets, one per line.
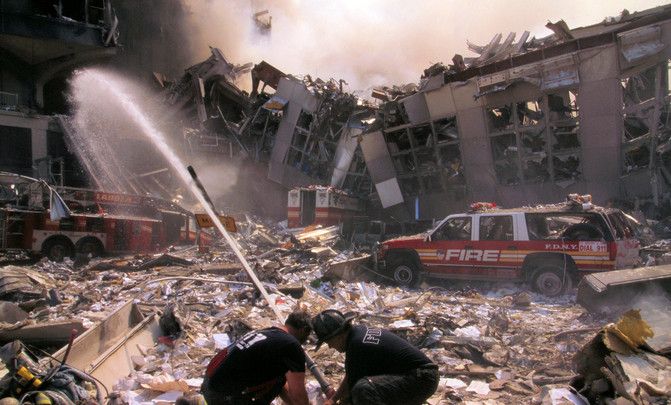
[548, 246]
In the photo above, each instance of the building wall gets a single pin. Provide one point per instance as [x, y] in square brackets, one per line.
[38, 126]
[601, 126]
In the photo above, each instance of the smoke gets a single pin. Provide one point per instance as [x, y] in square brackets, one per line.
[376, 42]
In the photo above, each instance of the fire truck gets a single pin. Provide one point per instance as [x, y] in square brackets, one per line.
[321, 205]
[61, 222]
[549, 246]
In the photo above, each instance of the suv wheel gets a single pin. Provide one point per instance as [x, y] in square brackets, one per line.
[404, 273]
[551, 281]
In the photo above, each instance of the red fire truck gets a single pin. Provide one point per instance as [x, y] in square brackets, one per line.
[321, 205]
[59, 223]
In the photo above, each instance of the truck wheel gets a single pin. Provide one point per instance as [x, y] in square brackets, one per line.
[90, 246]
[57, 250]
[405, 274]
[551, 281]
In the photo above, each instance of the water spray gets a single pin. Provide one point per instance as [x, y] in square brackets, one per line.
[190, 178]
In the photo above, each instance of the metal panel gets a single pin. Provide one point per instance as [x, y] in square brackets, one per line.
[416, 108]
[440, 102]
[640, 43]
[389, 192]
[344, 154]
[105, 350]
[376, 155]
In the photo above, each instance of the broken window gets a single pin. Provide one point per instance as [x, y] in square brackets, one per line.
[553, 225]
[357, 181]
[16, 150]
[639, 87]
[427, 156]
[646, 118]
[564, 124]
[304, 120]
[505, 152]
[422, 135]
[398, 140]
[458, 228]
[446, 130]
[545, 132]
[535, 169]
[500, 118]
[529, 113]
[449, 157]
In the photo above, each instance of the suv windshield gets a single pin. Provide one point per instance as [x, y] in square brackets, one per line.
[458, 228]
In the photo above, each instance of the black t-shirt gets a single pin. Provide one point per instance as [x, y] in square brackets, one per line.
[256, 358]
[372, 352]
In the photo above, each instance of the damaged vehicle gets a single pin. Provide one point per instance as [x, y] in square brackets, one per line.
[37, 218]
[549, 247]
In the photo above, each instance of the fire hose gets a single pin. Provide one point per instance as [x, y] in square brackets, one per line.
[212, 212]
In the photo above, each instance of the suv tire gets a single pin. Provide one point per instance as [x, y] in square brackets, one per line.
[404, 273]
[551, 280]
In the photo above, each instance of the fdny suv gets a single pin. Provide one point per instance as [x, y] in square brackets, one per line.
[549, 246]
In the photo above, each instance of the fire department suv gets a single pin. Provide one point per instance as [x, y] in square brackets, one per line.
[549, 246]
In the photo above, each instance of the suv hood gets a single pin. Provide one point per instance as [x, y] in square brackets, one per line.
[400, 239]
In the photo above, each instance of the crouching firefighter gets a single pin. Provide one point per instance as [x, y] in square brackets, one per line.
[380, 367]
[260, 366]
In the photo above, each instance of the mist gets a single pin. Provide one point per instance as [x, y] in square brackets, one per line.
[114, 148]
[376, 42]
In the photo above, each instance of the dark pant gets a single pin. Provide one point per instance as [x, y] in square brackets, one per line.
[411, 388]
[262, 394]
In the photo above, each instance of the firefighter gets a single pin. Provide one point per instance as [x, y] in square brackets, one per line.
[260, 366]
[380, 367]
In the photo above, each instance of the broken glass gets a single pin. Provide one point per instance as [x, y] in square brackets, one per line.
[398, 140]
[500, 118]
[505, 152]
[636, 157]
[565, 136]
[450, 159]
[536, 169]
[304, 120]
[423, 135]
[446, 130]
[533, 141]
[639, 87]
[566, 167]
[529, 113]
[504, 146]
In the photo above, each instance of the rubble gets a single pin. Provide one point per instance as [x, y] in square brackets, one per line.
[493, 346]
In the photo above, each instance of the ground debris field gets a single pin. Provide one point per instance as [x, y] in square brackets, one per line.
[494, 343]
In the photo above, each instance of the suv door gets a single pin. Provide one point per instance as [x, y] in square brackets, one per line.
[625, 240]
[500, 257]
[446, 252]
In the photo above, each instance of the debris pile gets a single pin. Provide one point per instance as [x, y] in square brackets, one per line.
[499, 346]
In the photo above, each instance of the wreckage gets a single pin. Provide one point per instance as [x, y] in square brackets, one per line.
[37, 218]
[549, 246]
[145, 325]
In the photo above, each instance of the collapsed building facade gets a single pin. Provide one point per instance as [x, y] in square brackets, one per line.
[41, 43]
[527, 120]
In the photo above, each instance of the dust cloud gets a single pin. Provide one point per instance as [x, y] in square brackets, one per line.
[377, 42]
